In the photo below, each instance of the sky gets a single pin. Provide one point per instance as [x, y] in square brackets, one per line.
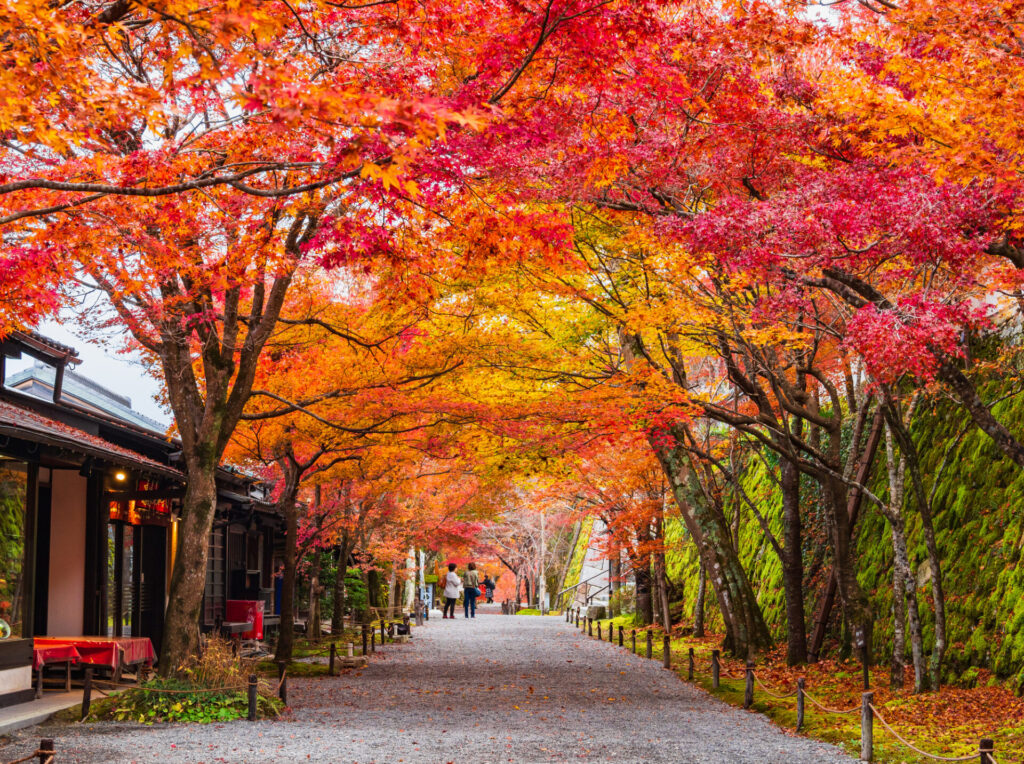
[122, 373]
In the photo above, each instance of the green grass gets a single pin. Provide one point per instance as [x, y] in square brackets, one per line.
[535, 611]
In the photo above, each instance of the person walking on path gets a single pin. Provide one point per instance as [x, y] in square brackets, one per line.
[488, 587]
[471, 582]
[452, 584]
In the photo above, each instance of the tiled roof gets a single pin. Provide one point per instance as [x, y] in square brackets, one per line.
[40, 342]
[17, 422]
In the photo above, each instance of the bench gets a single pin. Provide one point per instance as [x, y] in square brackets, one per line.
[54, 655]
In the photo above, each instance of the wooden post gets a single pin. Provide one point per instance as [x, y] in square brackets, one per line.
[622, 633]
[282, 690]
[632, 637]
[382, 632]
[716, 670]
[650, 644]
[748, 692]
[867, 732]
[599, 637]
[86, 691]
[373, 641]
[366, 636]
[590, 626]
[986, 748]
[800, 684]
[611, 634]
[666, 652]
[689, 668]
[47, 752]
[577, 618]
[253, 689]
[330, 666]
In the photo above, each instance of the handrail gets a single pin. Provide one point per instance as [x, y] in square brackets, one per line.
[588, 580]
[580, 583]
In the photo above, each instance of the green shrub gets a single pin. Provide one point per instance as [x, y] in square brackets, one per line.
[175, 700]
[212, 687]
[356, 595]
[622, 601]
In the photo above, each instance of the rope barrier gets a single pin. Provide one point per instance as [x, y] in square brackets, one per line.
[814, 701]
[912, 747]
[34, 754]
[163, 691]
[826, 708]
[769, 692]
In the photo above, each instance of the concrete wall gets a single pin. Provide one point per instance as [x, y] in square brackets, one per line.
[66, 609]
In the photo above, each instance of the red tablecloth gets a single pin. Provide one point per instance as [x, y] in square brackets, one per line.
[41, 655]
[105, 651]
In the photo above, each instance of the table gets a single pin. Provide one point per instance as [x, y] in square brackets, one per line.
[113, 652]
[233, 630]
[52, 655]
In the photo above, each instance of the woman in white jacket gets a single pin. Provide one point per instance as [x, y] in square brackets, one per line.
[452, 586]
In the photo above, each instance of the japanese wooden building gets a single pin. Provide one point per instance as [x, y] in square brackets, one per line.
[89, 501]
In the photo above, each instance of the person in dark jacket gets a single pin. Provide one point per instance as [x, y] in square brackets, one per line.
[488, 587]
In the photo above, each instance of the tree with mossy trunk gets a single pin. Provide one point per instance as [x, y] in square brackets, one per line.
[746, 632]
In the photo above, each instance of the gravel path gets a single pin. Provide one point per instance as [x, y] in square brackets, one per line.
[491, 689]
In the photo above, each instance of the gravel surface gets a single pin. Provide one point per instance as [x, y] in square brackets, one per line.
[491, 689]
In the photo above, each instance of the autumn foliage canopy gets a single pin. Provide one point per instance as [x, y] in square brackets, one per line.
[433, 259]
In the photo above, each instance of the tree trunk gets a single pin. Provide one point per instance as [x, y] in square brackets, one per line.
[392, 577]
[338, 595]
[746, 630]
[644, 600]
[314, 595]
[286, 629]
[938, 596]
[899, 637]
[373, 587]
[793, 565]
[905, 603]
[188, 579]
[856, 608]
[614, 574]
[661, 576]
[910, 459]
[855, 498]
[698, 605]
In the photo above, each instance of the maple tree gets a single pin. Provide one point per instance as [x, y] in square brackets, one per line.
[453, 262]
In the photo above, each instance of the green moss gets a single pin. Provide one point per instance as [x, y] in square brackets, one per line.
[978, 515]
[579, 552]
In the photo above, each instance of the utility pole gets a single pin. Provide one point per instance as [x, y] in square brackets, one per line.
[543, 583]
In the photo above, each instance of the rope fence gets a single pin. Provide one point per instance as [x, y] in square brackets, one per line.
[869, 713]
[44, 754]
